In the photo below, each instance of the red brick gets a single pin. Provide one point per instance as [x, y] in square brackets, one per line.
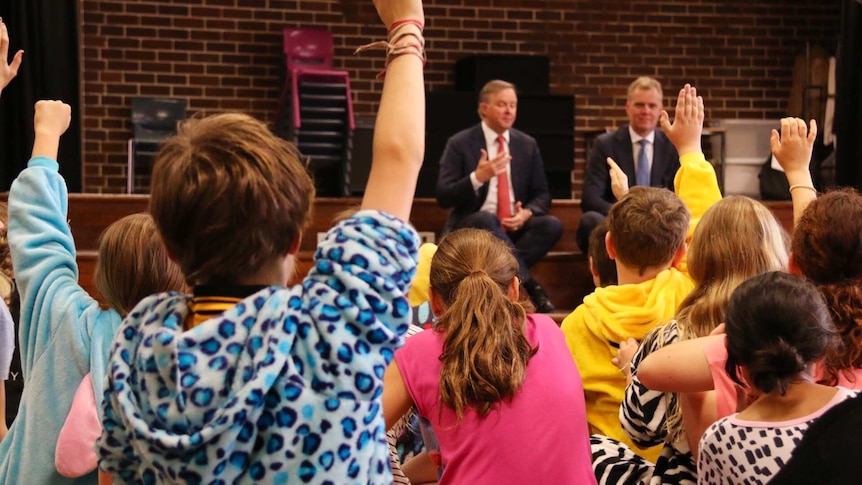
[739, 55]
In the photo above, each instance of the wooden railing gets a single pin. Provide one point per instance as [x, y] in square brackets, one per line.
[564, 272]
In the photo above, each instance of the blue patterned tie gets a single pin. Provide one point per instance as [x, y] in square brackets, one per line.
[643, 165]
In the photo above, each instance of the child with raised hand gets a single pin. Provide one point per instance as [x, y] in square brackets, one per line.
[778, 327]
[648, 228]
[826, 252]
[64, 334]
[8, 70]
[487, 377]
[737, 238]
[245, 380]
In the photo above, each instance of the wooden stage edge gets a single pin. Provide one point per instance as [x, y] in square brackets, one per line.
[564, 272]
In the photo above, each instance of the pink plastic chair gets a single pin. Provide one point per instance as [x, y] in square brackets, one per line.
[308, 54]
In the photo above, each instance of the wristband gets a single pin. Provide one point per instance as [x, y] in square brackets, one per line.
[803, 186]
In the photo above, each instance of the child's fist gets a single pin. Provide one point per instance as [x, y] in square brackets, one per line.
[52, 117]
[391, 11]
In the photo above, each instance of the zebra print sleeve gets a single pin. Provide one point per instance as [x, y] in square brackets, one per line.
[643, 412]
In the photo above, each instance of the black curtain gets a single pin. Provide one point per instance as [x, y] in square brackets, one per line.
[47, 30]
[848, 97]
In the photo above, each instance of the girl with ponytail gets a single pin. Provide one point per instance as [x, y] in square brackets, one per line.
[497, 385]
[778, 326]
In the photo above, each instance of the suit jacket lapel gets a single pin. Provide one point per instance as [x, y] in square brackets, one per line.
[659, 156]
[477, 144]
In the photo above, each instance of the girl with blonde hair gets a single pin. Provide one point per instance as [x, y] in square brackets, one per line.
[489, 377]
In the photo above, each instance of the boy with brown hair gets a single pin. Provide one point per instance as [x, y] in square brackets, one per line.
[647, 230]
[245, 380]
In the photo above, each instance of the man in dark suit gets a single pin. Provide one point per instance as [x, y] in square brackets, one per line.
[492, 177]
[640, 150]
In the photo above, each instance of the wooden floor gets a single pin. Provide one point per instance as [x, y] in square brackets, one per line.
[564, 272]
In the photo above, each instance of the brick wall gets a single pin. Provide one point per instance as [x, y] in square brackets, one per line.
[226, 55]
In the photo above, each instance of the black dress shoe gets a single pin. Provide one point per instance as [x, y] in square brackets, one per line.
[538, 296]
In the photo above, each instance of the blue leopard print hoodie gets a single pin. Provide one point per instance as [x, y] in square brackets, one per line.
[284, 387]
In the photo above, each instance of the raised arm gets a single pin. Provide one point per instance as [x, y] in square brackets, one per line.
[8, 70]
[51, 120]
[695, 182]
[43, 251]
[793, 151]
[399, 133]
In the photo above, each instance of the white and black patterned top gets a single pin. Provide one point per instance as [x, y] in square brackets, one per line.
[643, 416]
[736, 451]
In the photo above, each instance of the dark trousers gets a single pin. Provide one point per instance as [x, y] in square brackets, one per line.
[530, 243]
[589, 221]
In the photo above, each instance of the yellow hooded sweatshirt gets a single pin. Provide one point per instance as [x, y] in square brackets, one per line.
[613, 314]
[419, 289]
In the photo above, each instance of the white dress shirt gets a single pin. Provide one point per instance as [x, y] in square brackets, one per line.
[636, 147]
[490, 204]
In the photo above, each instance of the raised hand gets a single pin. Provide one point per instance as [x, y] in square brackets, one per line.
[619, 180]
[793, 152]
[391, 11]
[399, 132]
[793, 147]
[8, 71]
[687, 126]
[51, 120]
[52, 117]
[487, 169]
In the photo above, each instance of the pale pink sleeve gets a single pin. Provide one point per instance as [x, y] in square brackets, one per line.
[75, 455]
[725, 388]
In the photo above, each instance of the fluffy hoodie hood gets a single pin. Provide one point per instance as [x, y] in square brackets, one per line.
[283, 387]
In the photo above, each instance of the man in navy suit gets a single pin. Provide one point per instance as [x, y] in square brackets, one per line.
[640, 150]
[478, 162]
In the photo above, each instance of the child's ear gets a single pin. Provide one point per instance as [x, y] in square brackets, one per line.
[597, 280]
[680, 253]
[792, 267]
[437, 305]
[168, 251]
[593, 270]
[294, 248]
[609, 246]
[514, 290]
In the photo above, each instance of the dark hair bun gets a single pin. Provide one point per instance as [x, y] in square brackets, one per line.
[774, 366]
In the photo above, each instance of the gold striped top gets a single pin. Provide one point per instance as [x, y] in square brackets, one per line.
[211, 301]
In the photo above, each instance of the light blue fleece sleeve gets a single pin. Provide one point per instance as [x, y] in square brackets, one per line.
[43, 255]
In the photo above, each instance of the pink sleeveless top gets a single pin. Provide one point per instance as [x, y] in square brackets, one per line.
[516, 441]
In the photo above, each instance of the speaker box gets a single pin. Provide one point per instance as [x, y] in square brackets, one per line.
[529, 74]
[360, 159]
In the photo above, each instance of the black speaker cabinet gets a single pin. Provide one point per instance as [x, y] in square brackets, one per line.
[530, 74]
[360, 160]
